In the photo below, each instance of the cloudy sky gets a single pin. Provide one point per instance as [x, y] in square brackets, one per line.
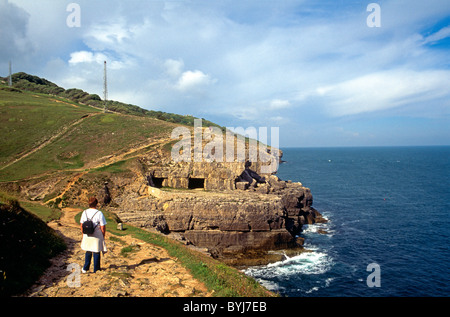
[313, 68]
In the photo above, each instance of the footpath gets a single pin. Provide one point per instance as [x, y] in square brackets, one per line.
[130, 268]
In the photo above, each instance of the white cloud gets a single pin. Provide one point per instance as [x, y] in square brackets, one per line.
[108, 34]
[86, 57]
[384, 90]
[13, 31]
[192, 80]
[174, 68]
[277, 104]
[439, 35]
[277, 120]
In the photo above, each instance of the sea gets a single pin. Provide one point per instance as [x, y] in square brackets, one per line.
[388, 229]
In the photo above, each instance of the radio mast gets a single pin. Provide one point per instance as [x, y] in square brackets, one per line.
[10, 75]
[105, 88]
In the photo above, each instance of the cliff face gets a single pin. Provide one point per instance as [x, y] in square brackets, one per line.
[225, 223]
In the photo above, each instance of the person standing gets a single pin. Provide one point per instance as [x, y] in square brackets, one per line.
[94, 243]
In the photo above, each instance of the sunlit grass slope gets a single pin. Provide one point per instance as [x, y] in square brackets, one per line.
[42, 134]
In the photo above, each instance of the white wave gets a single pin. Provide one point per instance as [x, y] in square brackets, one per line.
[310, 228]
[304, 263]
[318, 228]
[314, 289]
[329, 280]
[270, 285]
[315, 262]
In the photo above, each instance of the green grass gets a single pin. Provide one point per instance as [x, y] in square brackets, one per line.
[117, 167]
[28, 119]
[126, 251]
[47, 214]
[44, 212]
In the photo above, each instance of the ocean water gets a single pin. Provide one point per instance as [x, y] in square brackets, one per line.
[386, 206]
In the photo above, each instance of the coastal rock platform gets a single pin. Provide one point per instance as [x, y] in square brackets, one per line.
[225, 223]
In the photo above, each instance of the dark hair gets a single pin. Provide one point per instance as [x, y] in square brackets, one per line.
[93, 202]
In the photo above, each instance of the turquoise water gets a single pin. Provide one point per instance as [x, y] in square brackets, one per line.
[387, 206]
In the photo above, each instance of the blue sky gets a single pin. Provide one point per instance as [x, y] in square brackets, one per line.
[313, 68]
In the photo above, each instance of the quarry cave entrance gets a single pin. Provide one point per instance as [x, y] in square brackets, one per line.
[195, 183]
[158, 181]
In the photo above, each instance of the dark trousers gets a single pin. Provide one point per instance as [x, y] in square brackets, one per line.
[87, 261]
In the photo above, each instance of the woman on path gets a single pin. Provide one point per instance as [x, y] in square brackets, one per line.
[94, 243]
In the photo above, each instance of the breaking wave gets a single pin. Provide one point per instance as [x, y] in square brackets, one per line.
[297, 273]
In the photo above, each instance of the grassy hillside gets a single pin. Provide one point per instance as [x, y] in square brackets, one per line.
[36, 84]
[46, 128]
[42, 134]
[27, 119]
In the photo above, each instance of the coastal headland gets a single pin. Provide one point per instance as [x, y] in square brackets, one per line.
[205, 205]
[236, 210]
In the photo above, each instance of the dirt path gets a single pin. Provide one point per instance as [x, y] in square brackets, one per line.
[62, 131]
[131, 153]
[146, 271]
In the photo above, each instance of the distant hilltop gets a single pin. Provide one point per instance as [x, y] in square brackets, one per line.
[37, 84]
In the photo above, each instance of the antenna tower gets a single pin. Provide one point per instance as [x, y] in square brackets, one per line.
[10, 75]
[105, 88]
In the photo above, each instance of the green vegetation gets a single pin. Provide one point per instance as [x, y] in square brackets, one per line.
[117, 167]
[27, 120]
[39, 85]
[125, 251]
[47, 129]
[27, 245]
[43, 212]
[78, 134]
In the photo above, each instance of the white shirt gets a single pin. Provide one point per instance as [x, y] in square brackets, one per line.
[94, 242]
[98, 219]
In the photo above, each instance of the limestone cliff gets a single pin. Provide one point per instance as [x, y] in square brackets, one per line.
[262, 217]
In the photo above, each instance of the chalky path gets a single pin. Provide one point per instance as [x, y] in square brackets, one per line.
[146, 271]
